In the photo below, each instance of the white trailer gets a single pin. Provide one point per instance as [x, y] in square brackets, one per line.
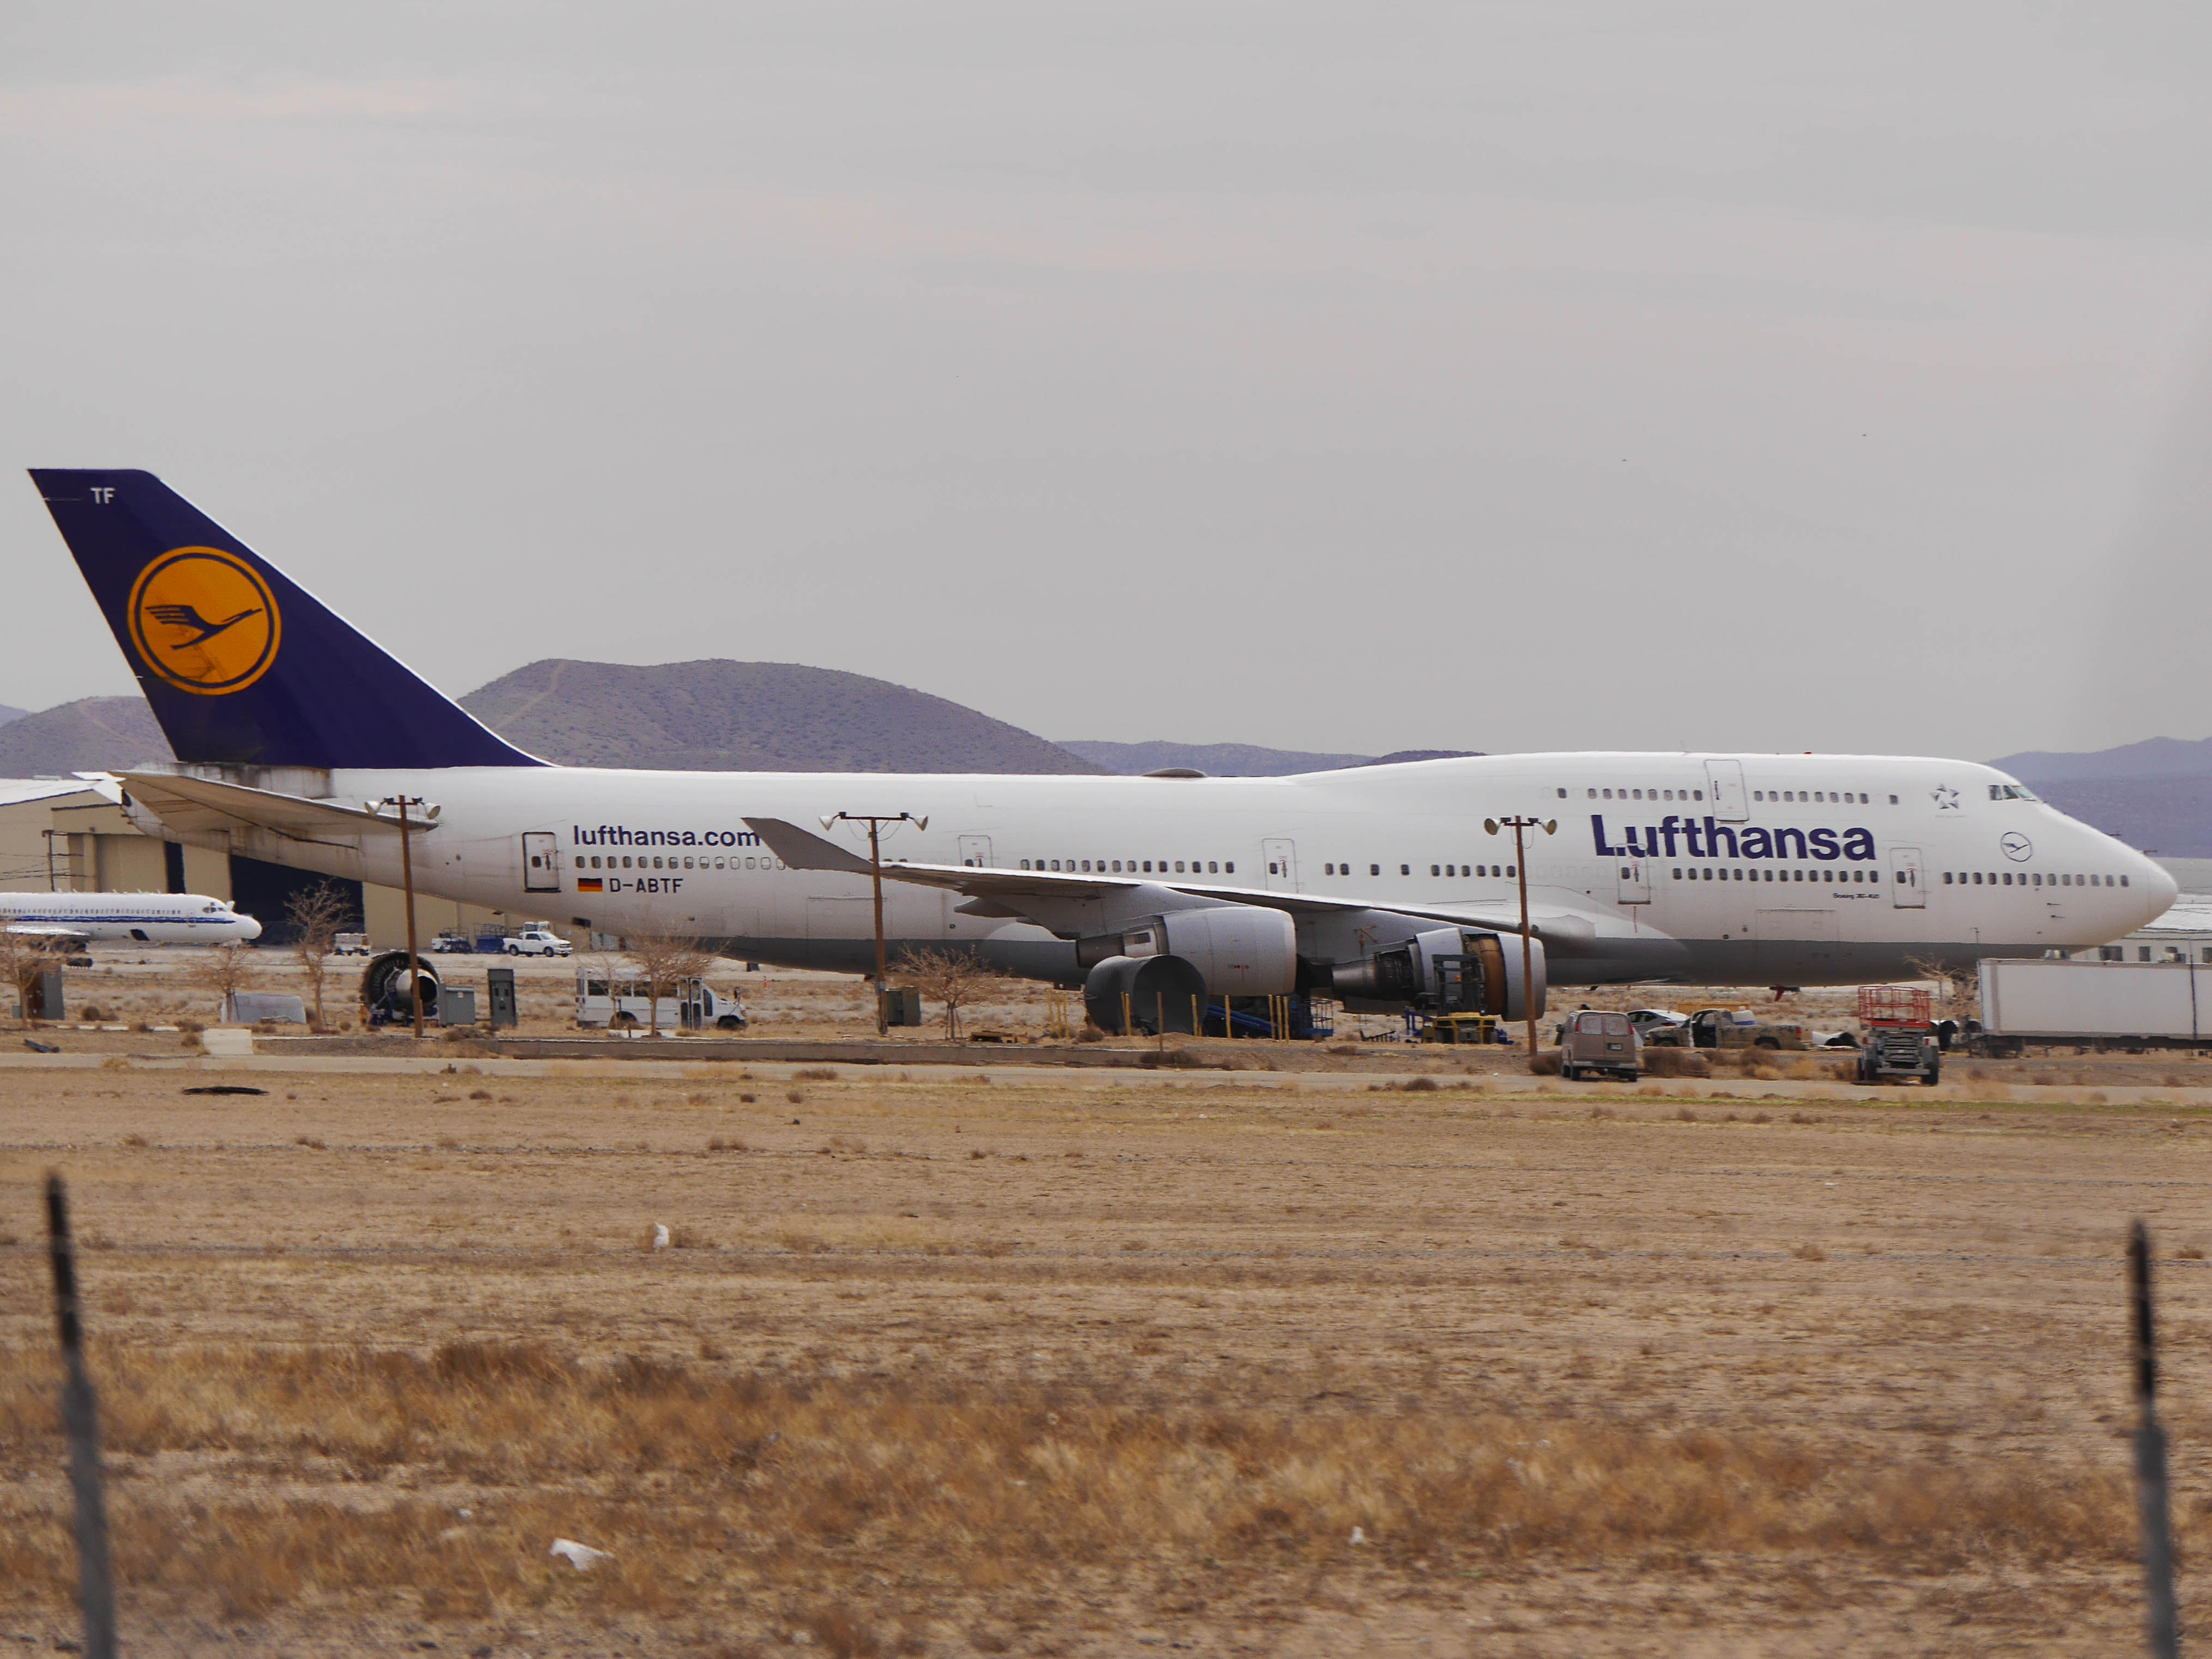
[2100, 1004]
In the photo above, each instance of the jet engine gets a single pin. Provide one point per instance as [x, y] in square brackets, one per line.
[1159, 973]
[1452, 970]
[1238, 950]
[386, 993]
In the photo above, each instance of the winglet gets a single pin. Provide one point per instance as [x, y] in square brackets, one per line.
[241, 664]
[802, 850]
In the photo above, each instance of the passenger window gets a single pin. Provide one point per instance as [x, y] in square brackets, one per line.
[1608, 794]
[1508, 869]
[1697, 795]
[1404, 869]
[1214, 870]
[1434, 871]
[1229, 868]
[1374, 869]
[1593, 795]
[1179, 869]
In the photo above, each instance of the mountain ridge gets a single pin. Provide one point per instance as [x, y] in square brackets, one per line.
[715, 714]
[1234, 760]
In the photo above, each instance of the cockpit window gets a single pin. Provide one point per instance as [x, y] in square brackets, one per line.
[2012, 791]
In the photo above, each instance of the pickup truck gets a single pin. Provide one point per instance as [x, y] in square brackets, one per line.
[1731, 1028]
[537, 942]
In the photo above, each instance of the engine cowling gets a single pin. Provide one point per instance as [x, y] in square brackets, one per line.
[1452, 970]
[1151, 993]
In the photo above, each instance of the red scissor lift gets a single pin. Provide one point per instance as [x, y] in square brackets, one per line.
[1899, 1041]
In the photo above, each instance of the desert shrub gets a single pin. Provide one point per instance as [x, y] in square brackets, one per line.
[1677, 1062]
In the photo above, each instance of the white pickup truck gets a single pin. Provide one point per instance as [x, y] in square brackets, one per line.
[537, 940]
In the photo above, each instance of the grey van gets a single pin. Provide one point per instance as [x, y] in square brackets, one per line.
[1599, 1042]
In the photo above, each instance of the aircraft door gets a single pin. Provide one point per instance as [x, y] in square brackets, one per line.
[1724, 789]
[975, 852]
[1635, 882]
[541, 863]
[1908, 887]
[1279, 857]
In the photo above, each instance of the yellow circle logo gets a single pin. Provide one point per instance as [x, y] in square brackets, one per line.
[204, 621]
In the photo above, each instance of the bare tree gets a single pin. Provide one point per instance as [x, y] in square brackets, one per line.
[1958, 990]
[224, 970]
[23, 957]
[954, 978]
[664, 957]
[316, 915]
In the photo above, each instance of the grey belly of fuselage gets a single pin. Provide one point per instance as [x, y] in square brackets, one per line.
[1579, 963]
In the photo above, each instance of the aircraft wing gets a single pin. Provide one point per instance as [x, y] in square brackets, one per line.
[1022, 893]
[46, 931]
[196, 806]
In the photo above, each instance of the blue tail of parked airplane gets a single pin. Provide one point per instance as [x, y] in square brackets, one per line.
[241, 664]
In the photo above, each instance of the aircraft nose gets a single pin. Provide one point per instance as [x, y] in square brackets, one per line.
[2163, 888]
[249, 928]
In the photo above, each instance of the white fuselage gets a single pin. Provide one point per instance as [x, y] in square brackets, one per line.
[1747, 869]
[135, 918]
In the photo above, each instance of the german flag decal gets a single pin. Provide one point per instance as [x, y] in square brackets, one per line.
[590, 884]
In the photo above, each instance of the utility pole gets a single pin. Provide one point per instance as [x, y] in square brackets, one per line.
[407, 887]
[875, 821]
[1519, 826]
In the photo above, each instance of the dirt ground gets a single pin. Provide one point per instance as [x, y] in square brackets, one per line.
[1224, 1364]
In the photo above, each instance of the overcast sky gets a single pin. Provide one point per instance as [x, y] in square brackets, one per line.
[1349, 377]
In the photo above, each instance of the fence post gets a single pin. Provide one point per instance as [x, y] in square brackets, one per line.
[2161, 1624]
[95, 1579]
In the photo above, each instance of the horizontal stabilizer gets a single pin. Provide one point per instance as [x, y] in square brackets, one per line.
[192, 806]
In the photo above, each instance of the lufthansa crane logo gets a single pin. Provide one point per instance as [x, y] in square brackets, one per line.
[204, 621]
[2016, 847]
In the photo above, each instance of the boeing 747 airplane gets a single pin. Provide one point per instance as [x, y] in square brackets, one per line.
[1387, 886]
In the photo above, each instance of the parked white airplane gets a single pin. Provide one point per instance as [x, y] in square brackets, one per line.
[1383, 885]
[140, 918]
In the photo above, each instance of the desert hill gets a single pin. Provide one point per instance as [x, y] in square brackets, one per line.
[718, 716]
[1234, 760]
[93, 734]
[2155, 795]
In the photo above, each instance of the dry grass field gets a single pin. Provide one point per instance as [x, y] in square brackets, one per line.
[1229, 1363]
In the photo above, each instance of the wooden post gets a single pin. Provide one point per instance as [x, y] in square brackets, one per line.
[95, 1577]
[2162, 1623]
